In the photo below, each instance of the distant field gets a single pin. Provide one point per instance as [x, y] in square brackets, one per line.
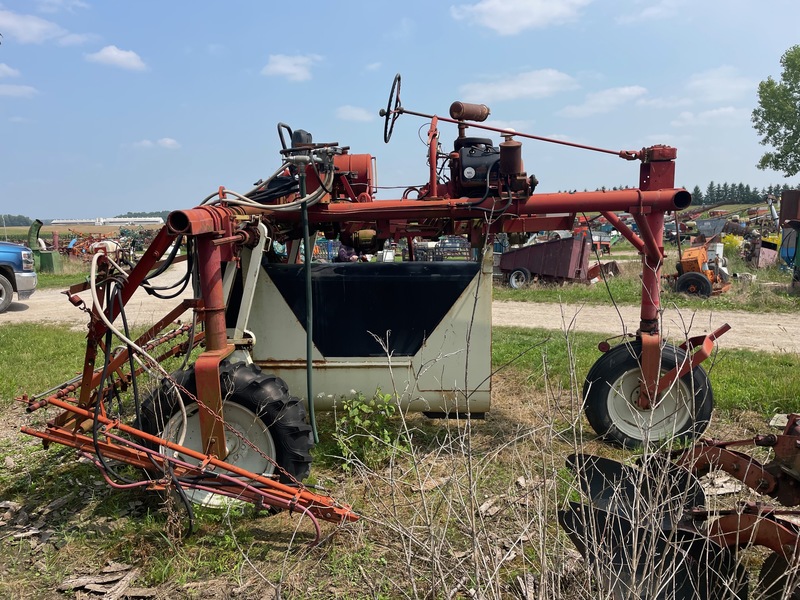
[65, 231]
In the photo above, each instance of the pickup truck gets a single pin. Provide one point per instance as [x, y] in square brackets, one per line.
[17, 273]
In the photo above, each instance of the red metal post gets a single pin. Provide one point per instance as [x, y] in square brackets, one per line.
[209, 390]
[656, 172]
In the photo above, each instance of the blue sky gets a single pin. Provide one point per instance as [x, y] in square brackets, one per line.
[108, 106]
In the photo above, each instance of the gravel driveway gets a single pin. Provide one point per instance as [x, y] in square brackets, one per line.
[772, 332]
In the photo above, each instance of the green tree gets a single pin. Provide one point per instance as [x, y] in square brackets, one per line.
[697, 196]
[777, 118]
[711, 195]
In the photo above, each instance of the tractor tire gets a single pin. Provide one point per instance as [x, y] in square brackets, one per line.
[611, 390]
[519, 278]
[696, 284]
[6, 293]
[256, 406]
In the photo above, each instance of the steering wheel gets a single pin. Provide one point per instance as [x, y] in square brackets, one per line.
[392, 112]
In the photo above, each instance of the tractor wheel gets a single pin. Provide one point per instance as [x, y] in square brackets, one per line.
[694, 283]
[776, 574]
[519, 278]
[611, 391]
[257, 408]
[6, 293]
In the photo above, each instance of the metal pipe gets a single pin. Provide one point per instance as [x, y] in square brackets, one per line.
[626, 231]
[457, 208]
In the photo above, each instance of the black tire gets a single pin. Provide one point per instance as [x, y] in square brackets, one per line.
[519, 278]
[6, 293]
[696, 284]
[611, 389]
[776, 573]
[265, 396]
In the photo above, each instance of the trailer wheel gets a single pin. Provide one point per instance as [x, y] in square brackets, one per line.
[519, 278]
[6, 292]
[612, 387]
[694, 283]
[257, 408]
[773, 578]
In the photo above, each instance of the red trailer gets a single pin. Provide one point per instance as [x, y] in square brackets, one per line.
[555, 261]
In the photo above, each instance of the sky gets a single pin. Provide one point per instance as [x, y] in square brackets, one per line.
[110, 106]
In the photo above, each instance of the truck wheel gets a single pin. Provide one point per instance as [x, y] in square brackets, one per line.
[6, 292]
[696, 284]
[612, 387]
[257, 408]
[519, 278]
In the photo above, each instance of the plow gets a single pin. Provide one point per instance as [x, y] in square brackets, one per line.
[272, 337]
[650, 531]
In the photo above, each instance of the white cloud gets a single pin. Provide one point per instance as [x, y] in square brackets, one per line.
[604, 101]
[28, 29]
[373, 66]
[294, 68]
[114, 57]
[725, 115]
[76, 39]
[6, 71]
[168, 143]
[18, 119]
[510, 17]
[668, 102]
[216, 49]
[654, 11]
[17, 91]
[354, 113]
[54, 6]
[403, 29]
[722, 84]
[531, 84]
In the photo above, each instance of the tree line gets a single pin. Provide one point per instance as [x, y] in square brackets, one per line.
[736, 193]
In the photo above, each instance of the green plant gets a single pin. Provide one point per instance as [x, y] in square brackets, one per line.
[365, 429]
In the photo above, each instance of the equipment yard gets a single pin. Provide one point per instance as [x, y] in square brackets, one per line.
[454, 431]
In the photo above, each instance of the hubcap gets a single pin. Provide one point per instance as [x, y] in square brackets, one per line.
[670, 413]
[255, 455]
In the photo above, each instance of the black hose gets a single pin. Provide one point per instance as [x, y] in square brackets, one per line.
[309, 322]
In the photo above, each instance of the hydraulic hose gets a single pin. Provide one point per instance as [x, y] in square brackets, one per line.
[309, 322]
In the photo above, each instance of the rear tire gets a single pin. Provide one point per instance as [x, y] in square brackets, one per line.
[6, 293]
[519, 278]
[696, 284]
[256, 405]
[612, 387]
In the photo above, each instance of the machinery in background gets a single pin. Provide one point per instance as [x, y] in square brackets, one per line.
[701, 271]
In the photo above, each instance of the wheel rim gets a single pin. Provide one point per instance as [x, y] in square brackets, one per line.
[243, 422]
[516, 279]
[668, 417]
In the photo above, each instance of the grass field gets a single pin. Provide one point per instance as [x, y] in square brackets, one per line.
[450, 509]
[452, 505]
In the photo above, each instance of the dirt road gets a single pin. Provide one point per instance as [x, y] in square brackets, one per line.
[772, 332]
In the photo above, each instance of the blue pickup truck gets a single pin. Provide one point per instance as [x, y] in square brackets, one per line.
[17, 273]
